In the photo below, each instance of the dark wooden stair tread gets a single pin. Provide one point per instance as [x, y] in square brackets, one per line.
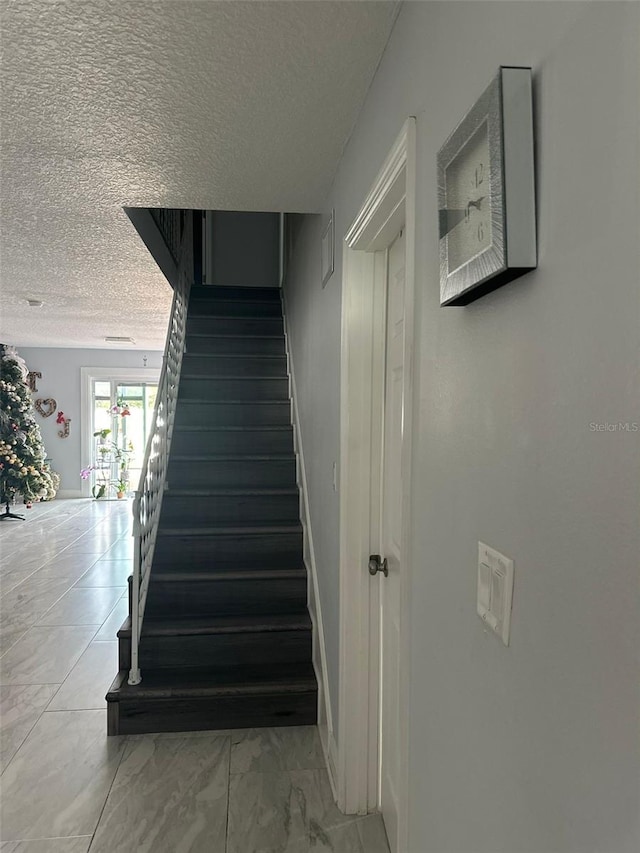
[220, 625]
[222, 335]
[239, 355]
[217, 298]
[235, 428]
[226, 575]
[184, 374]
[234, 290]
[229, 492]
[236, 530]
[206, 401]
[212, 314]
[193, 681]
[230, 457]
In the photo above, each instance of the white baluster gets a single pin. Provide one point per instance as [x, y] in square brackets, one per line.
[147, 503]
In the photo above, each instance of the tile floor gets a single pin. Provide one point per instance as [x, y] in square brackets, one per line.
[66, 787]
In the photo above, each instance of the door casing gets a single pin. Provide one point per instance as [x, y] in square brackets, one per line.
[388, 207]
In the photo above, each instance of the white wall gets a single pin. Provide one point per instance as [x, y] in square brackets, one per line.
[60, 370]
[531, 748]
[314, 327]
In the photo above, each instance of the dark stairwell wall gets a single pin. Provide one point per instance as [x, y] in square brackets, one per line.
[245, 249]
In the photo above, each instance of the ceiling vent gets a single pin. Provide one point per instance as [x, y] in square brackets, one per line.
[114, 339]
[35, 303]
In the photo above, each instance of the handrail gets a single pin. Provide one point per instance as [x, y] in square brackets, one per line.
[147, 503]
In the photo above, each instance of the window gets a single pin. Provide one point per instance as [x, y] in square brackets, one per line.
[122, 413]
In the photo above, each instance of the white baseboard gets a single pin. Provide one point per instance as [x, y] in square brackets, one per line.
[319, 656]
[69, 493]
[330, 750]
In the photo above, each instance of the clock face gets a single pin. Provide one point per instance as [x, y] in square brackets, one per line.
[468, 200]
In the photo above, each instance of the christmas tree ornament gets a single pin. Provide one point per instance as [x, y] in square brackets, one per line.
[46, 407]
[32, 376]
[24, 470]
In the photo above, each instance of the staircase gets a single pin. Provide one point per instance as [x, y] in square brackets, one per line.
[226, 637]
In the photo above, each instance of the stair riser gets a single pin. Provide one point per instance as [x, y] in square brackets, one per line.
[273, 473]
[226, 345]
[221, 553]
[235, 325]
[225, 598]
[208, 292]
[216, 511]
[234, 308]
[219, 390]
[233, 414]
[239, 649]
[204, 365]
[210, 713]
[212, 442]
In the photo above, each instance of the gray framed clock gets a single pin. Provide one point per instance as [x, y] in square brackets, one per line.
[486, 192]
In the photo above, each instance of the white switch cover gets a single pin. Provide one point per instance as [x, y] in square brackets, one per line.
[495, 590]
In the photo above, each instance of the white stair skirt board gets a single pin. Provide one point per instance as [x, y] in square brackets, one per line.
[319, 655]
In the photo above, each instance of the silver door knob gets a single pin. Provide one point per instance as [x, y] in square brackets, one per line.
[377, 564]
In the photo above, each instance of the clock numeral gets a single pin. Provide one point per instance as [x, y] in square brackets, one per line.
[480, 174]
[480, 232]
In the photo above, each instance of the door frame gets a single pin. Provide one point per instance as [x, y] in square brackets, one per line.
[388, 207]
[110, 374]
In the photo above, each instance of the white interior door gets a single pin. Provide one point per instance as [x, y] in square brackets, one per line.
[391, 537]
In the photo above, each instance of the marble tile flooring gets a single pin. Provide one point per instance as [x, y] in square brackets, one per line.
[66, 787]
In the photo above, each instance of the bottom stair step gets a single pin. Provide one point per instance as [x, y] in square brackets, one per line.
[213, 698]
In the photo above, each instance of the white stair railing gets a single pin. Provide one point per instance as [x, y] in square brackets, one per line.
[147, 503]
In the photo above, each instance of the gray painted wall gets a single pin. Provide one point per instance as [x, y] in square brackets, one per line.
[531, 748]
[60, 370]
[246, 249]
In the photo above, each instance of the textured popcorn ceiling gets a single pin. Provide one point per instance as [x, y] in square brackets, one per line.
[222, 105]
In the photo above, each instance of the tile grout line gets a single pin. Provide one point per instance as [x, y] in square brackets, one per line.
[95, 633]
[98, 628]
[78, 511]
[93, 639]
[104, 805]
[17, 640]
[89, 624]
[24, 740]
[56, 601]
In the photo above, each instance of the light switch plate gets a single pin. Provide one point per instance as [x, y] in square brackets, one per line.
[495, 590]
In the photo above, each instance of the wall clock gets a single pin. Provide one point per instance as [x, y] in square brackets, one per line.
[486, 192]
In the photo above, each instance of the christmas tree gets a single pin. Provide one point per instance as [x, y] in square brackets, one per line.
[23, 467]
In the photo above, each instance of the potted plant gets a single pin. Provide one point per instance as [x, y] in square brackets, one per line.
[109, 453]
